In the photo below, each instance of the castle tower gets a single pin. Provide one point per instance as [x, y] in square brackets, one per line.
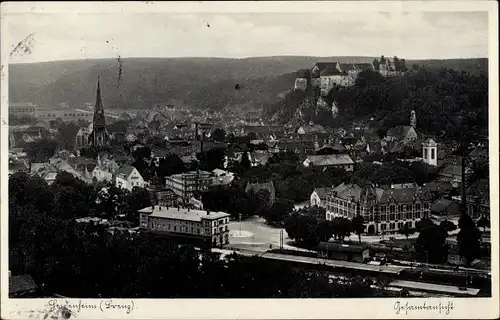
[99, 136]
[429, 152]
[413, 119]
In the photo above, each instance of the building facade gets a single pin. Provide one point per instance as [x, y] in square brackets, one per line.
[185, 222]
[185, 184]
[383, 210]
[128, 177]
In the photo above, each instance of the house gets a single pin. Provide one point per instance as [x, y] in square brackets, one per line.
[318, 197]
[128, 177]
[478, 199]
[343, 161]
[105, 169]
[338, 251]
[159, 153]
[22, 286]
[453, 174]
[383, 209]
[402, 133]
[445, 207]
[438, 189]
[311, 129]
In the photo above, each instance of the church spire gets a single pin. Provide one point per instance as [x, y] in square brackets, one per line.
[99, 135]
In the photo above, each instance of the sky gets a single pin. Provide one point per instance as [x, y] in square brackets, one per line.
[411, 35]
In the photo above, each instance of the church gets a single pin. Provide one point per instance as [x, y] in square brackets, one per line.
[95, 135]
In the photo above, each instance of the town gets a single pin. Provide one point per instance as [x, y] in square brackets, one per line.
[370, 207]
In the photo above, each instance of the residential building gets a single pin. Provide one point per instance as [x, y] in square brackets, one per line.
[478, 199]
[343, 161]
[318, 197]
[186, 184]
[185, 222]
[105, 170]
[129, 177]
[311, 129]
[383, 210]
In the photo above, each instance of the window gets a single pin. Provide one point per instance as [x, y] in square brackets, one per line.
[175, 228]
[392, 208]
[383, 217]
[433, 153]
[391, 217]
[425, 153]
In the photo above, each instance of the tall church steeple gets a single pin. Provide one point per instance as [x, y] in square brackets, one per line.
[99, 136]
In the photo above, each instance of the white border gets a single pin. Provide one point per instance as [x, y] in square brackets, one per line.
[469, 308]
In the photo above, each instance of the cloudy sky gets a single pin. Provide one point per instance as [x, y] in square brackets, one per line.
[412, 35]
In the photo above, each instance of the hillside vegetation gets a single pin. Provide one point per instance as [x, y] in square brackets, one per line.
[196, 82]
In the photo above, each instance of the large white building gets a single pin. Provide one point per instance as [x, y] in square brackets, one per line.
[185, 184]
[185, 222]
[383, 210]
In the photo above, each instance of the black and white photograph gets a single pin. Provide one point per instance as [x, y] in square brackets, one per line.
[194, 151]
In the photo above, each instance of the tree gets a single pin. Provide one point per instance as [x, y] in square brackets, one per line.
[171, 164]
[325, 230]
[448, 226]
[212, 159]
[280, 210]
[41, 150]
[341, 228]
[357, 225]
[424, 223]
[136, 200]
[219, 134]
[468, 239]
[484, 223]
[245, 161]
[430, 246]
[406, 230]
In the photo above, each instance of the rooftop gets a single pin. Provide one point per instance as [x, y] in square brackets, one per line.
[178, 213]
